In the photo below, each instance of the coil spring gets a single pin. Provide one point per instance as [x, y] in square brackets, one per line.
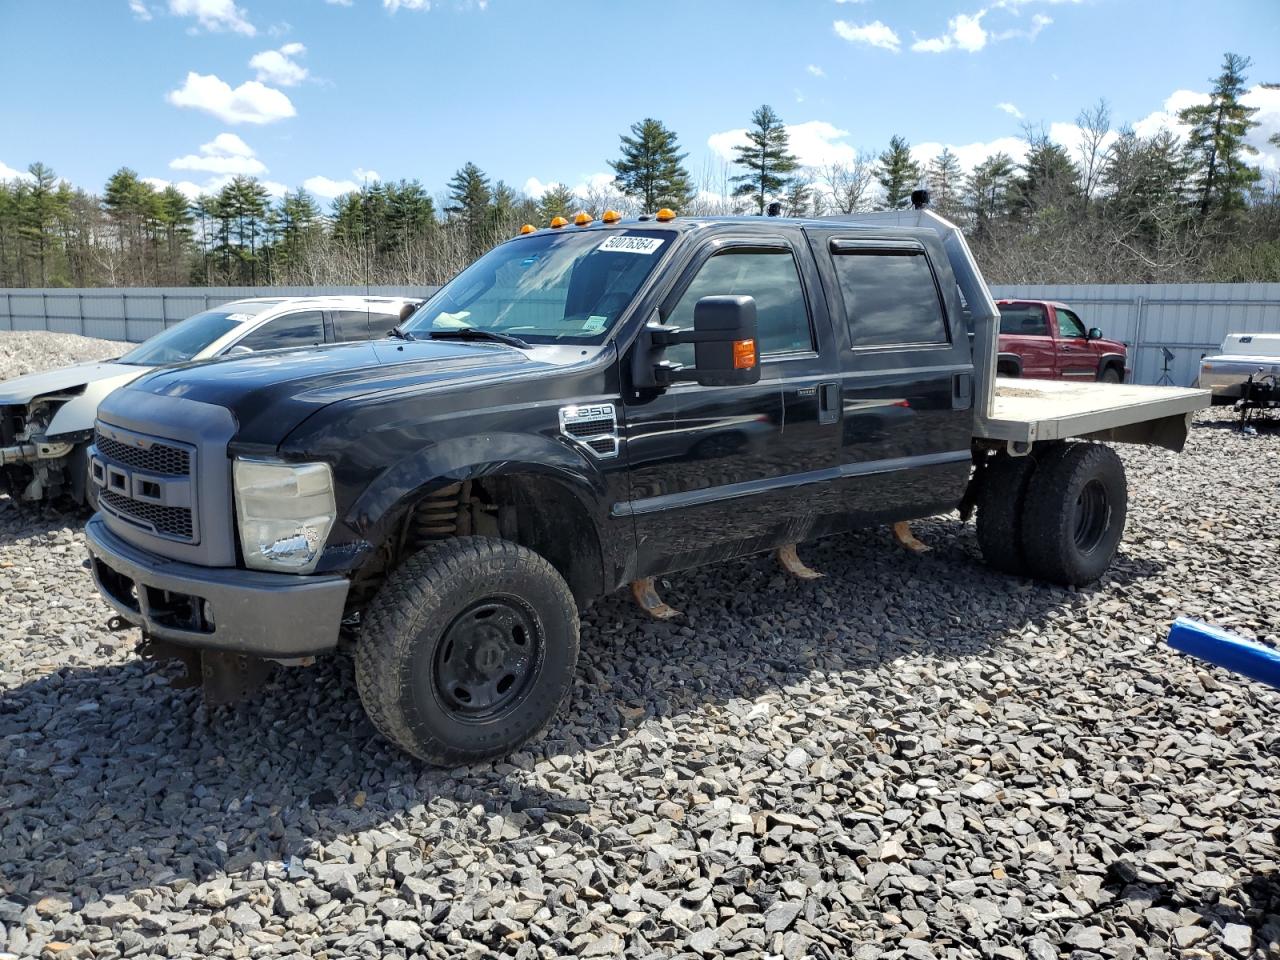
[442, 514]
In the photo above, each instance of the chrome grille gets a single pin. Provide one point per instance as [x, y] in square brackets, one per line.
[154, 457]
[166, 521]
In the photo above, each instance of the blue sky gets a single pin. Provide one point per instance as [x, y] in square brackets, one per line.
[327, 93]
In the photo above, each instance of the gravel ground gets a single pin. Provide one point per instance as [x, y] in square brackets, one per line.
[913, 757]
[32, 352]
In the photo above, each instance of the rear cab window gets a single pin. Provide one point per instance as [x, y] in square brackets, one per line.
[890, 294]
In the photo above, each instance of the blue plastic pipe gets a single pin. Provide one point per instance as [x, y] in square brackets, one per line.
[1236, 654]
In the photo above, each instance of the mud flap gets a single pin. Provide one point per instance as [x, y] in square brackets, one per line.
[902, 533]
[646, 595]
[790, 561]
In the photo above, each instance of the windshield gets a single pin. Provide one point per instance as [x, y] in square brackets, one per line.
[184, 340]
[547, 287]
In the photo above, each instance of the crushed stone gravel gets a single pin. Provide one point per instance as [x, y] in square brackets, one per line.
[25, 352]
[913, 757]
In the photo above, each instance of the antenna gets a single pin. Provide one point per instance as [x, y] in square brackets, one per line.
[1165, 379]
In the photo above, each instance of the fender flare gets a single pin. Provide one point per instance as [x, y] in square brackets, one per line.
[1116, 360]
[377, 513]
[1009, 358]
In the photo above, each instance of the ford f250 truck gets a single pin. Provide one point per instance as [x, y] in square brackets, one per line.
[582, 408]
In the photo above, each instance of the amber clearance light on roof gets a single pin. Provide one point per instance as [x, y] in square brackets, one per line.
[528, 228]
[582, 219]
[611, 216]
[558, 222]
[665, 214]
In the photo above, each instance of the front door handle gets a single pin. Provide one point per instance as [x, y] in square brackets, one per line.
[828, 402]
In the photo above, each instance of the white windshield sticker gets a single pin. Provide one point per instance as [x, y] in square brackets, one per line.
[645, 245]
[595, 322]
[239, 317]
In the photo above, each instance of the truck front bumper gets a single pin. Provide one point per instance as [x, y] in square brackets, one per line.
[274, 615]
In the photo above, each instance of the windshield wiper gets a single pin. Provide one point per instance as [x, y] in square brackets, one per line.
[400, 333]
[478, 333]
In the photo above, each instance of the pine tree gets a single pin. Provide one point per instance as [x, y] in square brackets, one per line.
[651, 168]
[1216, 147]
[767, 158]
[470, 198]
[558, 201]
[898, 173]
[1048, 178]
[798, 198]
[946, 183]
[987, 191]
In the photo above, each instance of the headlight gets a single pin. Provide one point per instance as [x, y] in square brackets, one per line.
[285, 512]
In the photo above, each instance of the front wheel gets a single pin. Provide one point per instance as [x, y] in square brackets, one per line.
[468, 650]
[1109, 375]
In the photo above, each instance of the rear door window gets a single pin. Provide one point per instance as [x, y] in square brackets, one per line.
[303, 329]
[353, 325]
[890, 295]
[1024, 320]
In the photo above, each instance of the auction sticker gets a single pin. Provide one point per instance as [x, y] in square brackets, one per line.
[645, 245]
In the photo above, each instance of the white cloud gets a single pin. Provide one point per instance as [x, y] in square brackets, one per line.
[279, 66]
[215, 15]
[971, 154]
[192, 190]
[329, 189]
[394, 5]
[874, 34]
[815, 70]
[535, 188]
[225, 154]
[339, 3]
[964, 32]
[139, 10]
[1038, 23]
[8, 173]
[360, 173]
[251, 102]
[1010, 109]
[815, 143]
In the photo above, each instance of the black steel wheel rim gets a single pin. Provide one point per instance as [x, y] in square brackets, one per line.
[1093, 516]
[488, 658]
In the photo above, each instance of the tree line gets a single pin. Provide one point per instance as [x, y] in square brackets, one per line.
[1120, 207]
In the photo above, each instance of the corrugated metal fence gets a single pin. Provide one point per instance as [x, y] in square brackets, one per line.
[135, 313]
[1189, 318]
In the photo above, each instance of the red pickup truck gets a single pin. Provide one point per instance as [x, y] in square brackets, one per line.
[1047, 340]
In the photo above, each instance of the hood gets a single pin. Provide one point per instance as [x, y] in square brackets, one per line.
[271, 393]
[22, 390]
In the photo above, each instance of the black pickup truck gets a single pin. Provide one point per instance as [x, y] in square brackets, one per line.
[582, 408]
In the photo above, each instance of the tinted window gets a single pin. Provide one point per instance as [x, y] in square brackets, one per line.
[352, 325]
[1024, 319]
[1069, 324]
[770, 276]
[889, 299]
[291, 330]
[186, 339]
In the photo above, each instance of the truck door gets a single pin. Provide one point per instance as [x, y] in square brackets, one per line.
[906, 377]
[1024, 331]
[1077, 358]
[721, 471]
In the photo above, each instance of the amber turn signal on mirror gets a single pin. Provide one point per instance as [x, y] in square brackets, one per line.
[744, 354]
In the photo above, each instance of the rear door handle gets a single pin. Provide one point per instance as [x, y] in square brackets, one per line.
[962, 391]
[828, 402]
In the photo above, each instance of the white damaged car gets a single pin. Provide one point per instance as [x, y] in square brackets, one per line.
[46, 419]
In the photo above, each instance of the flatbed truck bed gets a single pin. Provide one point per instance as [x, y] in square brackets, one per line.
[1023, 412]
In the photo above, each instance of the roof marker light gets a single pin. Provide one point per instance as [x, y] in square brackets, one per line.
[611, 216]
[665, 214]
[582, 219]
[528, 228]
[558, 222]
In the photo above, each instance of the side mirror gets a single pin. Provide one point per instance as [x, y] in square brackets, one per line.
[239, 351]
[725, 349]
[1094, 334]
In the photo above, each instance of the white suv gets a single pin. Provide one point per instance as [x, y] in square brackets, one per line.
[46, 419]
